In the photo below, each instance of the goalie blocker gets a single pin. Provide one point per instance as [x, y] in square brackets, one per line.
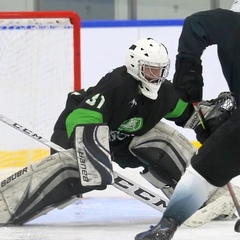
[57, 180]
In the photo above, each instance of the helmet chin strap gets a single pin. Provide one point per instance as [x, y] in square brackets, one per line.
[149, 90]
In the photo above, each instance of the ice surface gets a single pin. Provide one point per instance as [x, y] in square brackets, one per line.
[108, 218]
[109, 215]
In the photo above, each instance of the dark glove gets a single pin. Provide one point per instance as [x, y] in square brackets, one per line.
[216, 112]
[188, 79]
[211, 125]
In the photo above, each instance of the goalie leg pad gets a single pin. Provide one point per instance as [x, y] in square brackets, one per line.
[218, 206]
[93, 155]
[165, 149]
[40, 187]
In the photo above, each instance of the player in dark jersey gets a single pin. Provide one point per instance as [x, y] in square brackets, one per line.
[218, 160]
[131, 100]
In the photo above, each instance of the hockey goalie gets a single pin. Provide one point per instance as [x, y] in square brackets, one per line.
[57, 180]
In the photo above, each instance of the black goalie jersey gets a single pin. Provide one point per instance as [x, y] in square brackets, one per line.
[117, 101]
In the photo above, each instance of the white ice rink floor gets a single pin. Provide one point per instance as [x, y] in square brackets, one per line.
[101, 217]
[109, 215]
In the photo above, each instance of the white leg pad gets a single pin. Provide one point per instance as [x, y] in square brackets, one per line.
[33, 188]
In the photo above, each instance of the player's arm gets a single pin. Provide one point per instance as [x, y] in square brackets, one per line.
[216, 112]
[203, 29]
[200, 30]
[94, 109]
[180, 113]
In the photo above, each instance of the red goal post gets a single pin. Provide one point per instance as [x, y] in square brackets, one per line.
[40, 64]
[74, 20]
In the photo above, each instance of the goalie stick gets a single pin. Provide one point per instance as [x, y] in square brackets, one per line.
[123, 184]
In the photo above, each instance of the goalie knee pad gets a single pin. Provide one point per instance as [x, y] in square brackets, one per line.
[93, 155]
[164, 149]
[40, 187]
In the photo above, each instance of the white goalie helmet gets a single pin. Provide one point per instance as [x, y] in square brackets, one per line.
[148, 54]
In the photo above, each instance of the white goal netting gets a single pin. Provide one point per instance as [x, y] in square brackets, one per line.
[36, 73]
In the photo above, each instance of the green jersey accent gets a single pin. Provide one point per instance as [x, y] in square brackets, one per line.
[82, 116]
[131, 125]
[178, 110]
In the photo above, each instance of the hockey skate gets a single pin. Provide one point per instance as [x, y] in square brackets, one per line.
[164, 230]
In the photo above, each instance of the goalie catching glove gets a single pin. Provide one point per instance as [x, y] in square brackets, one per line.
[216, 112]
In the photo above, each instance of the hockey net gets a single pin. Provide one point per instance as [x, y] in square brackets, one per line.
[40, 64]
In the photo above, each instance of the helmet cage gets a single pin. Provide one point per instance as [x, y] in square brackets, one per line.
[152, 77]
